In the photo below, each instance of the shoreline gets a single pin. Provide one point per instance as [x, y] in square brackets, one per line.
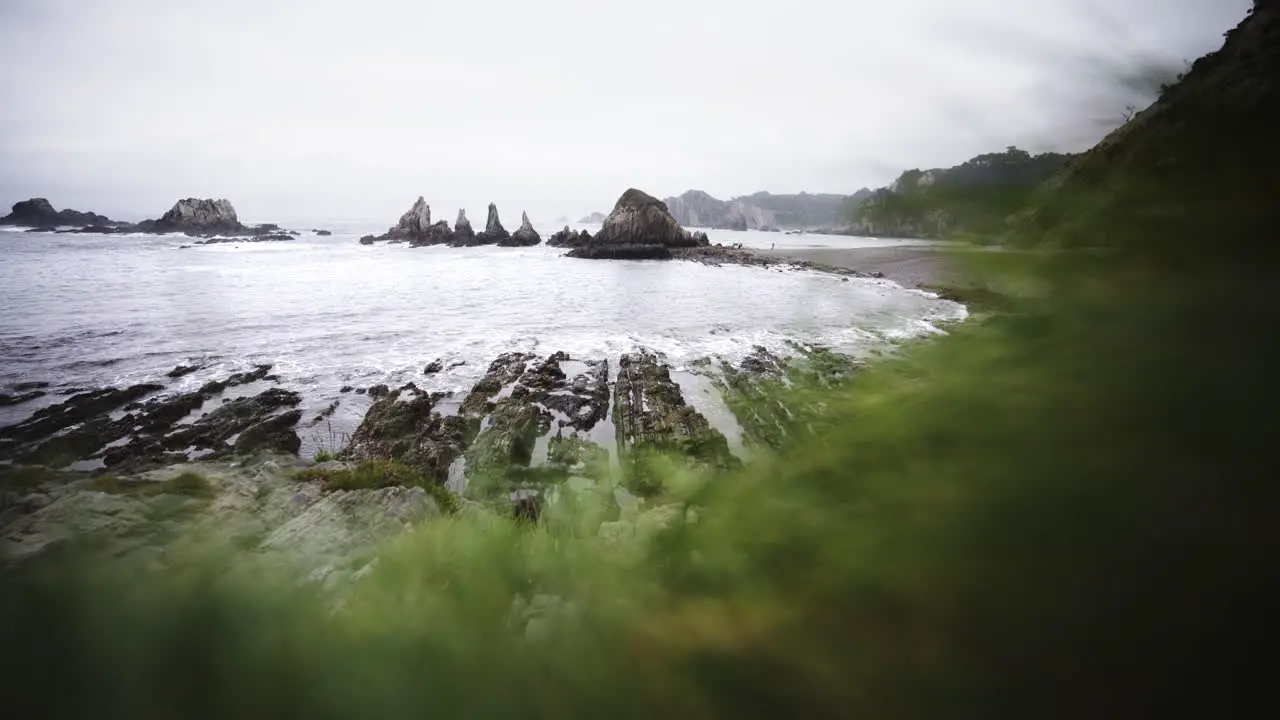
[911, 267]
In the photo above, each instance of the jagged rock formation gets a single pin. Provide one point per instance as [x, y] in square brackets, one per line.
[493, 233]
[148, 433]
[651, 415]
[39, 213]
[640, 227]
[404, 425]
[197, 217]
[568, 238]
[525, 236]
[414, 225]
[463, 234]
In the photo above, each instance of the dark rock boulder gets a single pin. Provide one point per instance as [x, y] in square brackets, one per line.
[493, 233]
[21, 397]
[368, 240]
[583, 400]
[503, 371]
[403, 426]
[438, 234]
[526, 236]
[322, 233]
[463, 234]
[199, 217]
[217, 428]
[274, 434]
[433, 367]
[38, 213]
[259, 372]
[183, 370]
[622, 252]
[74, 410]
[568, 238]
[640, 227]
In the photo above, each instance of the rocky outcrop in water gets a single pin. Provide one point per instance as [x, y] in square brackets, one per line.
[413, 224]
[201, 218]
[640, 227]
[405, 426]
[520, 398]
[525, 236]
[111, 425]
[39, 213]
[463, 234]
[776, 401]
[494, 233]
[568, 238]
[651, 416]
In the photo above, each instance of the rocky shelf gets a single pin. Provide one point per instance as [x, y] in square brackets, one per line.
[533, 428]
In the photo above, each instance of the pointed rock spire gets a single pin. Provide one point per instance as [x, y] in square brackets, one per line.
[526, 235]
[463, 234]
[493, 230]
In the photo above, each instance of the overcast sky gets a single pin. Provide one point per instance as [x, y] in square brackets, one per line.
[322, 109]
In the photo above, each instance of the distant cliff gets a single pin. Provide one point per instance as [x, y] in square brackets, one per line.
[763, 211]
[974, 198]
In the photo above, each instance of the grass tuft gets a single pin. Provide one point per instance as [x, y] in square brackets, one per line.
[377, 474]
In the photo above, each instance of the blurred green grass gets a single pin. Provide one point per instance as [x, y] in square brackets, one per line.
[1061, 510]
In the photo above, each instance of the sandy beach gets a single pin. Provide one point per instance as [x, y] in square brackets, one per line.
[907, 266]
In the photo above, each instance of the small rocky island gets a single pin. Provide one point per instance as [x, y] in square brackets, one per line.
[415, 228]
[214, 220]
[639, 228]
[39, 215]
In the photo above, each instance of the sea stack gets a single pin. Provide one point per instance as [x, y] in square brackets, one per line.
[39, 213]
[639, 228]
[197, 217]
[526, 236]
[463, 234]
[413, 225]
[493, 230]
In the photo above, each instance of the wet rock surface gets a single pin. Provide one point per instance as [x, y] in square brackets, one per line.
[776, 400]
[73, 411]
[18, 398]
[405, 426]
[112, 427]
[650, 415]
[521, 398]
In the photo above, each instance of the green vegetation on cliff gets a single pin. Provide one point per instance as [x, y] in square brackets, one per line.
[972, 199]
[1064, 511]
